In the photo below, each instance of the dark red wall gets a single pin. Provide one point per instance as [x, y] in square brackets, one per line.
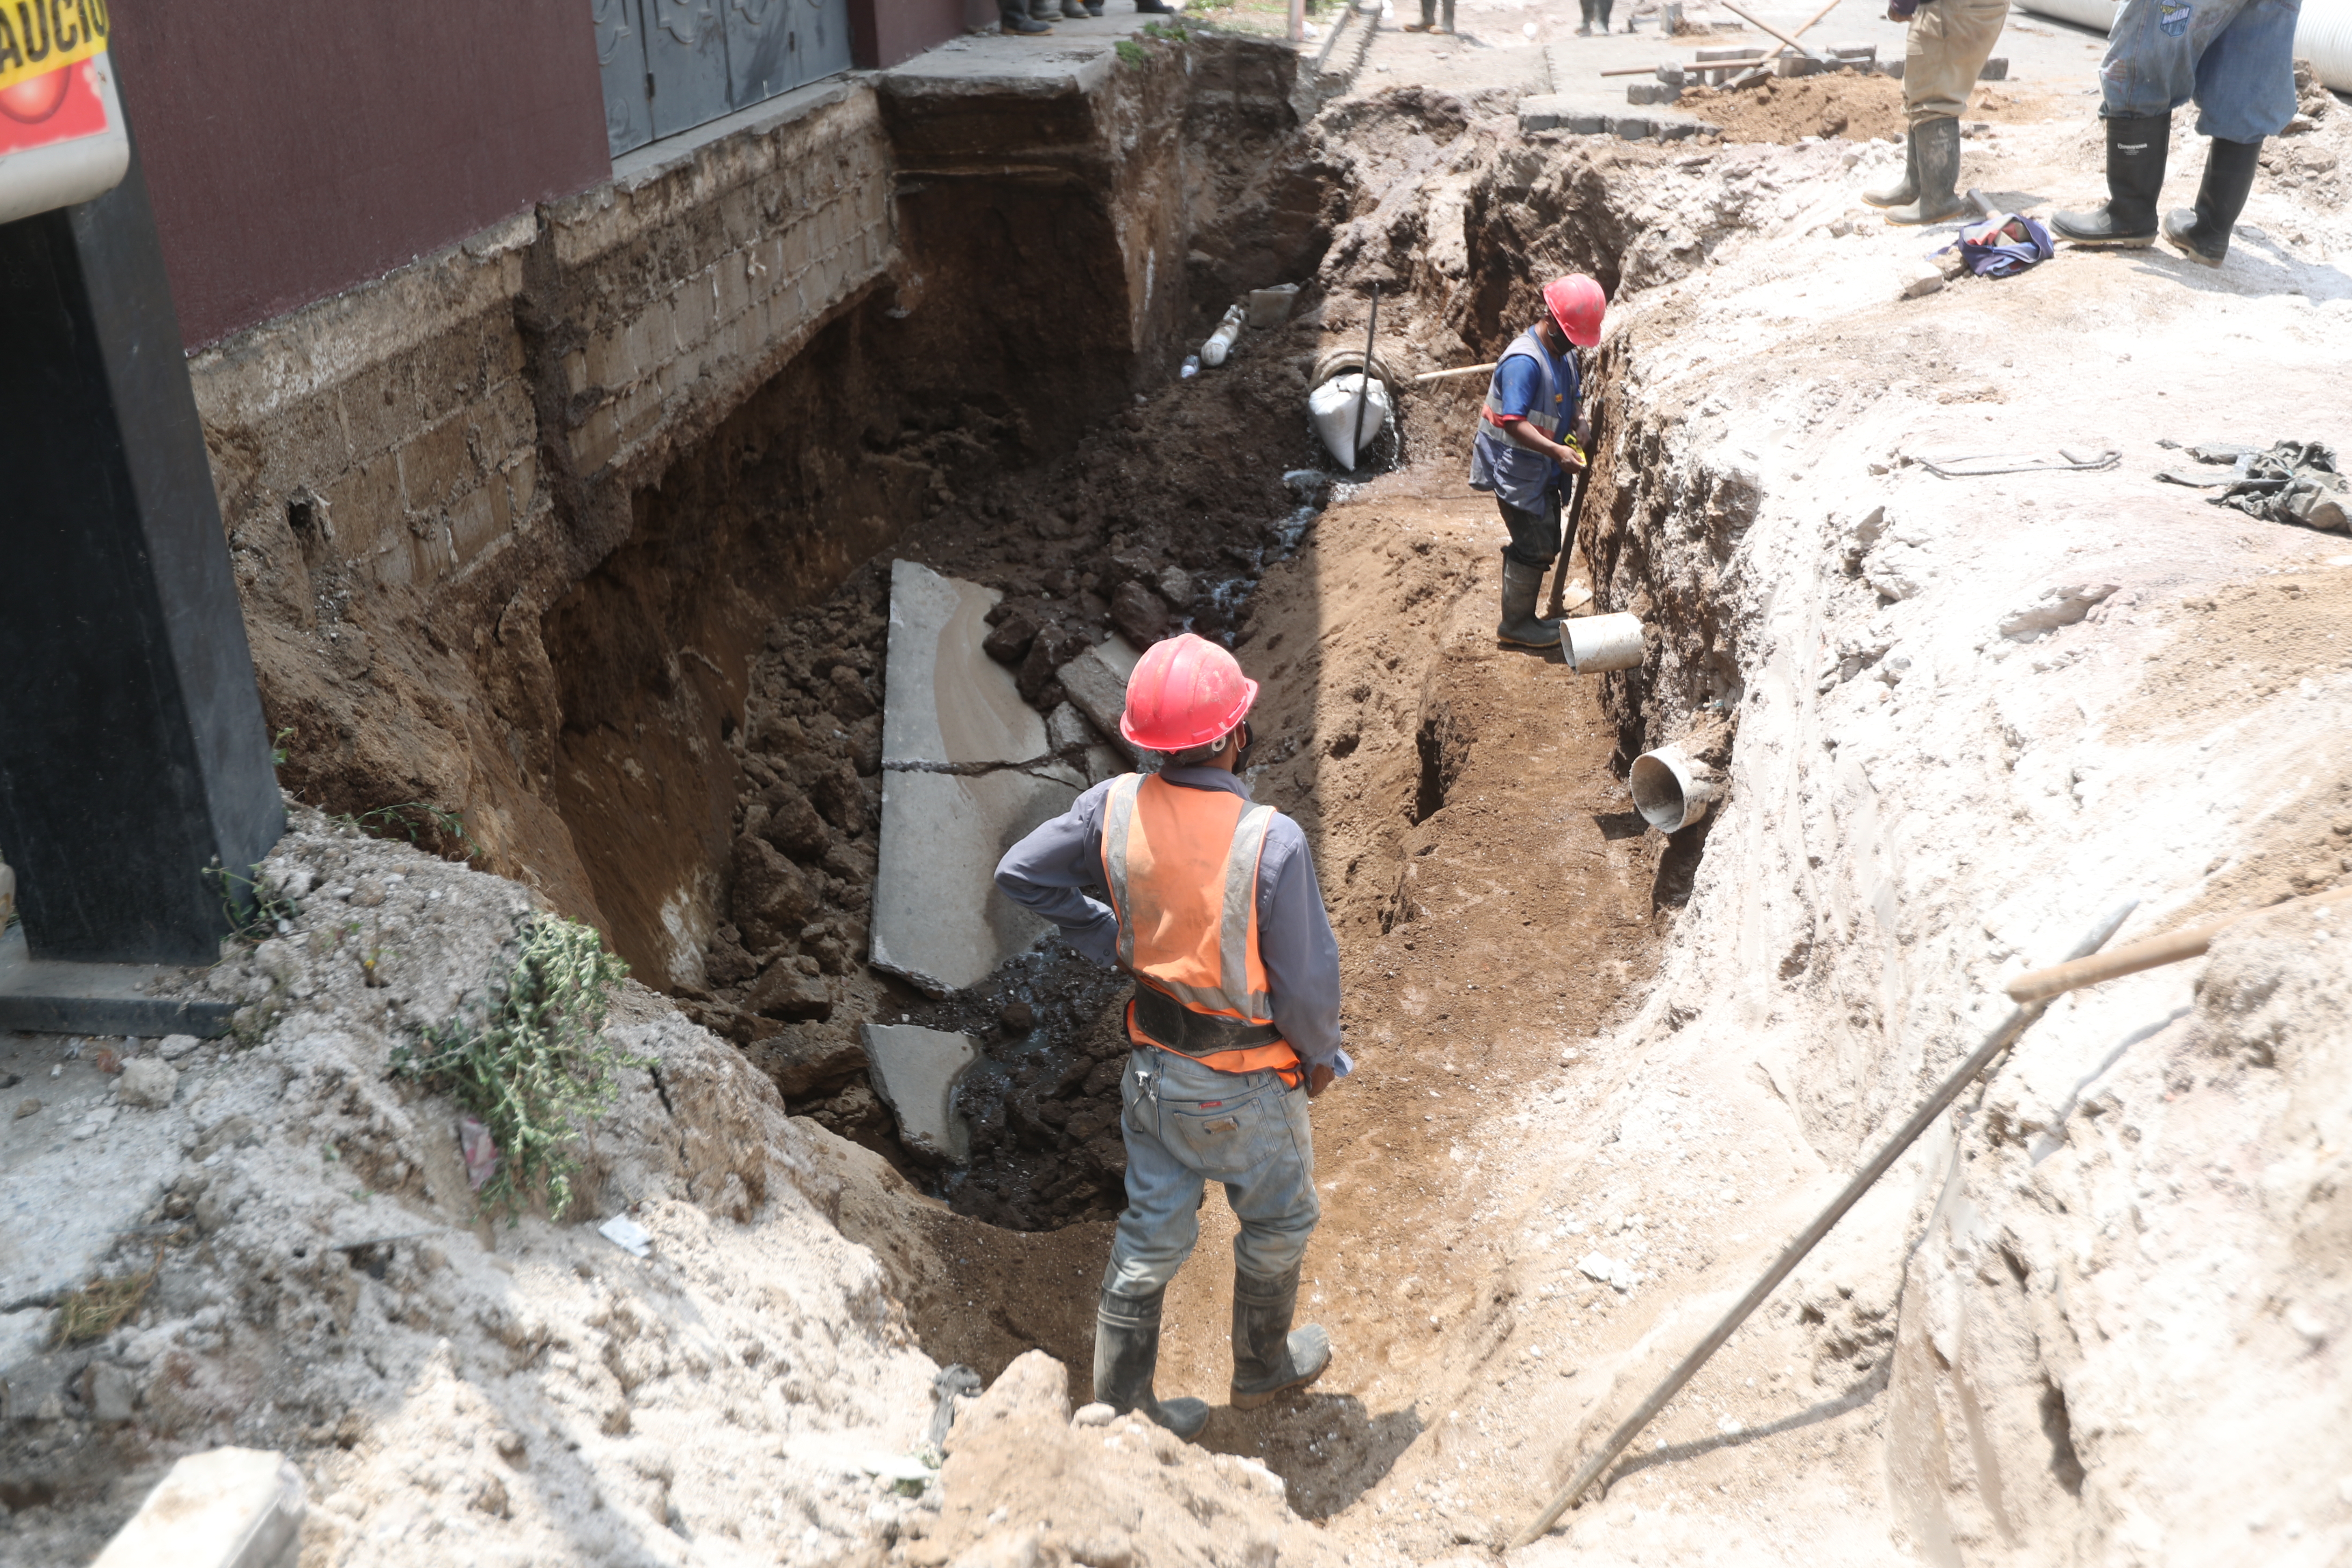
[297, 147]
[884, 32]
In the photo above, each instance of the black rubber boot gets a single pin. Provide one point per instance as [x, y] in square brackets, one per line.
[2203, 233]
[1270, 1356]
[1073, 11]
[1017, 20]
[1521, 582]
[2136, 153]
[1126, 1352]
[1935, 145]
[1905, 191]
[1154, 8]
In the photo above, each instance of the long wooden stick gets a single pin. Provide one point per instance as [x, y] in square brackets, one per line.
[2000, 1041]
[2041, 985]
[1816, 16]
[1767, 28]
[1450, 374]
[1570, 514]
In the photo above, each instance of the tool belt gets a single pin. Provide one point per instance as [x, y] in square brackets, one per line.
[1172, 1024]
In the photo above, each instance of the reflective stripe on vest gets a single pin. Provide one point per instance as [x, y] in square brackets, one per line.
[1547, 415]
[1181, 868]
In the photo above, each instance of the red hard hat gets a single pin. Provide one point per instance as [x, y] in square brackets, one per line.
[1576, 303]
[1185, 692]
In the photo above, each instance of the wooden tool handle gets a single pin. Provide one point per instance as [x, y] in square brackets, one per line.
[2040, 985]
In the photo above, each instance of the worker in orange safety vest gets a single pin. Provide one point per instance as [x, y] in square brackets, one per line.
[1210, 901]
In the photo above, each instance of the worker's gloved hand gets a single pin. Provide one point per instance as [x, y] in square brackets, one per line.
[1320, 1077]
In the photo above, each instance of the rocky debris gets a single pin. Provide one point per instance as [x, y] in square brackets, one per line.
[568, 1400]
[147, 1082]
[1025, 1484]
[2055, 606]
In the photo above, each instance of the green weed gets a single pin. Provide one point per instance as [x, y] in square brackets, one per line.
[435, 829]
[1133, 52]
[253, 914]
[530, 1063]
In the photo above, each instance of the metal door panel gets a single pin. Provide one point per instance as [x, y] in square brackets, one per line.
[823, 27]
[620, 59]
[685, 54]
[763, 52]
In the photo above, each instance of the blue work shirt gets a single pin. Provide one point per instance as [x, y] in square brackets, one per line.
[1046, 873]
[1514, 473]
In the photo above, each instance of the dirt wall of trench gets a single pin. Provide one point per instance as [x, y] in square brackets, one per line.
[510, 524]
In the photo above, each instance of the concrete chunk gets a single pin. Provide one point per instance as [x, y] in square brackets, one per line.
[1271, 307]
[1097, 683]
[229, 1508]
[916, 1070]
[965, 773]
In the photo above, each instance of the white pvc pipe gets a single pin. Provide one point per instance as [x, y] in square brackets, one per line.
[2322, 34]
[2098, 14]
[2324, 37]
[1595, 644]
[1671, 789]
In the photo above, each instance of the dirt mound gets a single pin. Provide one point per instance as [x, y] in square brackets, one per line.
[1846, 104]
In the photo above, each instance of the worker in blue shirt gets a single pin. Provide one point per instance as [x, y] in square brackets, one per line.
[1528, 439]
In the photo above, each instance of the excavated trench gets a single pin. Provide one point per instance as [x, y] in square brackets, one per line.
[719, 675]
[1091, 509]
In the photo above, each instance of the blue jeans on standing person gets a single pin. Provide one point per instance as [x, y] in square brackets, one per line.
[1187, 1125]
[2234, 57]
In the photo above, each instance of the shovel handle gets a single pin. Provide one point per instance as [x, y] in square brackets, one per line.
[2040, 985]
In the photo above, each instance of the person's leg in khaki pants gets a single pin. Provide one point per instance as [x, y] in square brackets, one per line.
[1947, 45]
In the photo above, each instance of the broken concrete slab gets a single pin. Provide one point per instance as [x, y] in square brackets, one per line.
[966, 772]
[916, 1070]
[1097, 683]
[1067, 730]
[228, 1507]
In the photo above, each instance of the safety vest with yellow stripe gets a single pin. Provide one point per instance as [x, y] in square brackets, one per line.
[1181, 866]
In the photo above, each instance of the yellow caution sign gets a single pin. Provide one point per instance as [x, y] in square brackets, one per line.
[39, 38]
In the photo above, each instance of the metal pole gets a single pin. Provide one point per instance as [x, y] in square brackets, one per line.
[2000, 1041]
[1298, 21]
[1364, 391]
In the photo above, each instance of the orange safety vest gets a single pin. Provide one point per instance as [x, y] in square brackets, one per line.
[1181, 868]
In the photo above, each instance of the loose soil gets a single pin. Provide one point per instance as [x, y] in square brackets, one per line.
[1849, 105]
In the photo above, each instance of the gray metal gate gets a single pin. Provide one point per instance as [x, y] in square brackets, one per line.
[671, 65]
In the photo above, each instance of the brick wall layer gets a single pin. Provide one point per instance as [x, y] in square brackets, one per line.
[413, 470]
[510, 522]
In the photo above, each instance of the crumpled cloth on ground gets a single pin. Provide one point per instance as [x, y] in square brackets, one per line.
[2003, 245]
[2290, 481]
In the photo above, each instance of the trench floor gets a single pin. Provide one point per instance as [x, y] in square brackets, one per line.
[1483, 943]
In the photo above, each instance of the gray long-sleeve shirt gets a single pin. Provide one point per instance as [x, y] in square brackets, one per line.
[1047, 872]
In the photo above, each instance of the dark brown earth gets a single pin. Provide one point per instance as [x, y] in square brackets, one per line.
[1853, 106]
[1494, 901]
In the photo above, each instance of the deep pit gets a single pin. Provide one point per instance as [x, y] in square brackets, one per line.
[720, 675]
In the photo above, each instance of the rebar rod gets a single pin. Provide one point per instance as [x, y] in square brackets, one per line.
[1364, 388]
[2000, 1041]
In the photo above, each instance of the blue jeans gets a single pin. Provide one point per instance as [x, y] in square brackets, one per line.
[2235, 57]
[1187, 1125]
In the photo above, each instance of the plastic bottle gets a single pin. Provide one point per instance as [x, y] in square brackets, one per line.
[1191, 366]
[1221, 342]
